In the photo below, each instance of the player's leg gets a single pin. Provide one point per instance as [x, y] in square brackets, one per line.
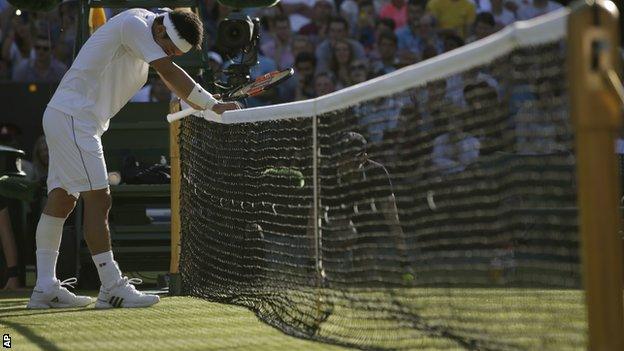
[65, 173]
[116, 291]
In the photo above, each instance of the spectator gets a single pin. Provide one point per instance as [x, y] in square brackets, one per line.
[37, 169]
[483, 26]
[489, 118]
[453, 15]
[68, 12]
[502, 15]
[305, 65]
[157, 91]
[338, 29]
[417, 36]
[359, 71]
[365, 25]
[324, 84]
[316, 30]
[395, 10]
[536, 8]
[18, 44]
[387, 49]
[300, 44]
[350, 10]
[278, 48]
[340, 62]
[298, 11]
[44, 68]
[454, 150]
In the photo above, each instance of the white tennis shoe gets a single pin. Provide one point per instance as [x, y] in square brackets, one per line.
[124, 294]
[57, 296]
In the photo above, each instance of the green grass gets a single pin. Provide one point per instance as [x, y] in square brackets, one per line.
[176, 323]
[506, 319]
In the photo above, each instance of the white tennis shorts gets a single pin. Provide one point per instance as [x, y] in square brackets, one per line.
[76, 154]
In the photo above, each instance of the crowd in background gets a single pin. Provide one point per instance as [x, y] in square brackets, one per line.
[332, 44]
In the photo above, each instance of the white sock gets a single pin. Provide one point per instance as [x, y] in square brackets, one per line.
[48, 238]
[108, 269]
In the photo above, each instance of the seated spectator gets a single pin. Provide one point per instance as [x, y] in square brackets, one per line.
[454, 150]
[305, 66]
[483, 26]
[387, 49]
[324, 84]
[350, 10]
[417, 36]
[44, 68]
[338, 29]
[364, 28]
[359, 71]
[395, 10]
[502, 16]
[18, 43]
[453, 15]
[278, 48]
[382, 25]
[342, 58]
[301, 43]
[316, 30]
[157, 91]
[489, 118]
[298, 11]
[536, 8]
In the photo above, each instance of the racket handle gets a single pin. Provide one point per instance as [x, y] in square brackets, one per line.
[172, 117]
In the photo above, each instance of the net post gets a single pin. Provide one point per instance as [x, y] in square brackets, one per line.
[175, 282]
[596, 113]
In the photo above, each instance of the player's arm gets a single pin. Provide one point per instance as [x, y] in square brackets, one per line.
[186, 88]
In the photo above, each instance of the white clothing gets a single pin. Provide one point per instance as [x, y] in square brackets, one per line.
[109, 69]
[75, 151]
[296, 20]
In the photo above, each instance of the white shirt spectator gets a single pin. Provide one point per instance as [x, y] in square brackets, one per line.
[297, 20]
[110, 68]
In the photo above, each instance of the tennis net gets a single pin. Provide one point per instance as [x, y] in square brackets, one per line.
[431, 208]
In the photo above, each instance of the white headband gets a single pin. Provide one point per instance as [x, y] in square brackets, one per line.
[172, 32]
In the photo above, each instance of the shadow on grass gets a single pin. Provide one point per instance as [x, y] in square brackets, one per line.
[29, 334]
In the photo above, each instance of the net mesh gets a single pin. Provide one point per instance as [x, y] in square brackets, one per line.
[439, 215]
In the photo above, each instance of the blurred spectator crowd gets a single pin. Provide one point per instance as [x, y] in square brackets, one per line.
[332, 44]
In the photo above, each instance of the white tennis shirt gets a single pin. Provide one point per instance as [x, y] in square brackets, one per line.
[109, 69]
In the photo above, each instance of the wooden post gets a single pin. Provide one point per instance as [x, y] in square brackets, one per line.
[175, 286]
[593, 40]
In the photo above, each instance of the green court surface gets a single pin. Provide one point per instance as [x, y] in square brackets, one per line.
[176, 323]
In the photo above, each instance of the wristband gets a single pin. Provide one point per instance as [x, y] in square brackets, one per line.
[200, 97]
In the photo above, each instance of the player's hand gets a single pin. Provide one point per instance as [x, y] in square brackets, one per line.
[221, 107]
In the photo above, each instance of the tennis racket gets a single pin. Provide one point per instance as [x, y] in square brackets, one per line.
[254, 88]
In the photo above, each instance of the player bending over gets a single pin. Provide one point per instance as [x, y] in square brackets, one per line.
[109, 69]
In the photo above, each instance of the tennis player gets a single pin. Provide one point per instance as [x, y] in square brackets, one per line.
[109, 69]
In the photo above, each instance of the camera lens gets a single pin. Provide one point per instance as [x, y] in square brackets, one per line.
[234, 35]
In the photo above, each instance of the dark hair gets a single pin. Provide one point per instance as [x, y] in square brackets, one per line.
[339, 19]
[189, 27]
[389, 35]
[386, 21]
[486, 18]
[306, 57]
